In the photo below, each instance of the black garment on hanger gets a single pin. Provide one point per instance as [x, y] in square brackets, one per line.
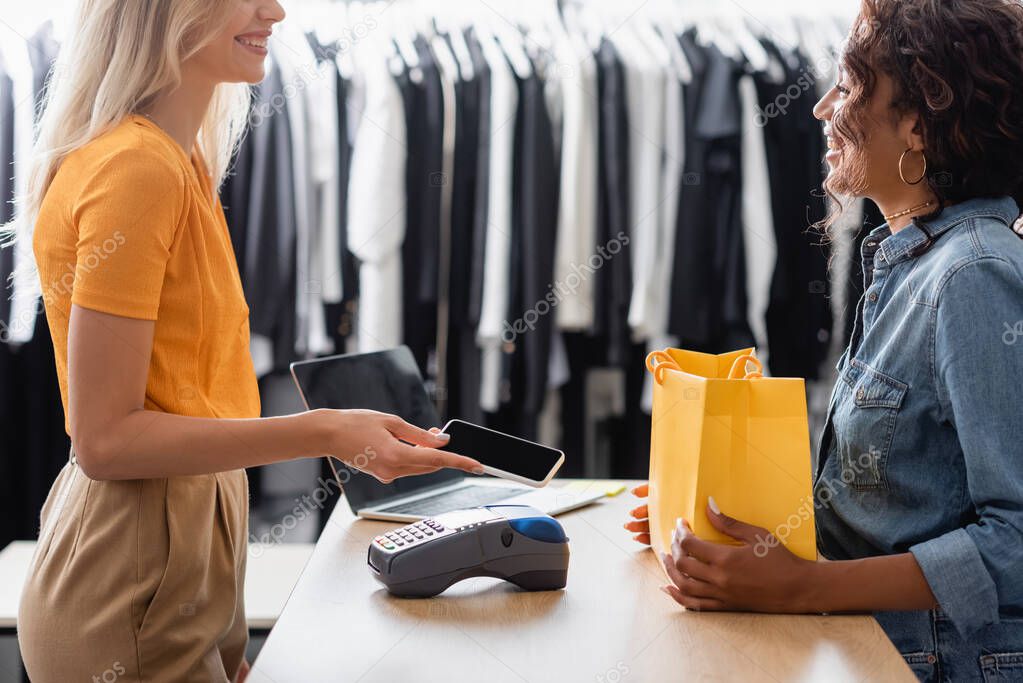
[463, 356]
[470, 366]
[690, 317]
[35, 445]
[234, 197]
[509, 416]
[708, 292]
[349, 268]
[534, 232]
[535, 165]
[482, 201]
[268, 268]
[798, 316]
[720, 123]
[339, 316]
[424, 118]
[612, 284]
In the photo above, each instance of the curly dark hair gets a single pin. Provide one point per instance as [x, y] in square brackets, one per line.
[959, 65]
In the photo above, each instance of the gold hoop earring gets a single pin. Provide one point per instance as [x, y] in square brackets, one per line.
[902, 173]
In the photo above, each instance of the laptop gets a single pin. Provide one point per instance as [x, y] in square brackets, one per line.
[389, 381]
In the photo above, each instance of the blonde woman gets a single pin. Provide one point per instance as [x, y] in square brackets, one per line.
[141, 557]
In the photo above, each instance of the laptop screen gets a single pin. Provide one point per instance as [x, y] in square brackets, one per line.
[388, 381]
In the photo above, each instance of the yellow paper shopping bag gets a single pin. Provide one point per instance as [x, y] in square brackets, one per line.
[718, 430]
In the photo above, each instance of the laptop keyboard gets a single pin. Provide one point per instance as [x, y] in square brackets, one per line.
[465, 497]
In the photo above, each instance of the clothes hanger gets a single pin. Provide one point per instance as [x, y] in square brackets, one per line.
[442, 50]
[644, 31]
[402, 37]
[584, 20]
[452, 27]
[724, 34]
[510, 41]
[678, 58]
[748, 44]
[341, 13]
[536, 19]
[780, 25]
[701, 20]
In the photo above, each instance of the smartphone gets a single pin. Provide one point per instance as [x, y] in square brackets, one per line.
[503, 455]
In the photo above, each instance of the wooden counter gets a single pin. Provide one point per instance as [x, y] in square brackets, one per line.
[610, 624]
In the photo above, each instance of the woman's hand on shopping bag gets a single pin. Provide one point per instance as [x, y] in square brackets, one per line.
[387, 446]
[760, 575]
[640, 526]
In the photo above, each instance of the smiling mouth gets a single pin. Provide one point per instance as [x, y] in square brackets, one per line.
[258, 43]
[834, 144]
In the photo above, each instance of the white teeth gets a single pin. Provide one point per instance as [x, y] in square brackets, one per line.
[252, 42]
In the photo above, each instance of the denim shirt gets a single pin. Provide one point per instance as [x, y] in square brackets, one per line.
[922, 451]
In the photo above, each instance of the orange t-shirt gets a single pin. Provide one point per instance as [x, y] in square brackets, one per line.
[130, 227]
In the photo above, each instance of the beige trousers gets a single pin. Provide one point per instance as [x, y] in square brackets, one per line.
[138, 580]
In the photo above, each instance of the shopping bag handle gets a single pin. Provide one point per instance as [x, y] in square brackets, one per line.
[659, 362]
[738, 370]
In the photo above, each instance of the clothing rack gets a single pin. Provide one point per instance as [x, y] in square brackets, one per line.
[431, 173]
[400, 70]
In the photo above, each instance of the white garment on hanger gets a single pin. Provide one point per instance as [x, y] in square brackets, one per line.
[377, 201]
[26, 301]
[558, 371]
[757, 220]
[577, 207]
[655, 313]
[497, 257]
[660, 276]
[645, 91]
[327, 170]
[298, 69]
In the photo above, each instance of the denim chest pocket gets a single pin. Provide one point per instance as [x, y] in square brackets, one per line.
[1006, 666]
[865, 424]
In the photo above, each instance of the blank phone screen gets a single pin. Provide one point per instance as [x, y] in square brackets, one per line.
[502, 451]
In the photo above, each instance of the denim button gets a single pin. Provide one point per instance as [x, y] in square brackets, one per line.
[860, 394]
[872, 296]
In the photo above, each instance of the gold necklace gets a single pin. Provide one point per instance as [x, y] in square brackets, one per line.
[900, 214]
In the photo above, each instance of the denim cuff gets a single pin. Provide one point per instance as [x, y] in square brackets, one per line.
[959, 580]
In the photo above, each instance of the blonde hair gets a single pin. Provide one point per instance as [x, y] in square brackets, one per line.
[120, 55]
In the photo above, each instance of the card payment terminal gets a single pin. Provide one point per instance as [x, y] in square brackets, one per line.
[516, 543]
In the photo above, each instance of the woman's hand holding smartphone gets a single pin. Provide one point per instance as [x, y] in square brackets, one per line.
[503, 455]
